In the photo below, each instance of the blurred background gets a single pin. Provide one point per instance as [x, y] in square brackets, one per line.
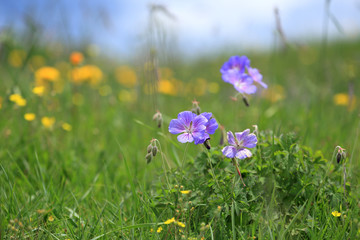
[120, 28]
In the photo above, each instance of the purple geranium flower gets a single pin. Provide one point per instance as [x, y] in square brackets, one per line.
[256, 76]
[211, 127]
[245, 85]
[233, 69]
[191, 126]
[239, 144]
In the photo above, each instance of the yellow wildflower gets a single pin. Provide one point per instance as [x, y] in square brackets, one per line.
[171, 220]
[127, 96]
[343, 99]
[48, 122]
[180, 224]
[167, 87]
[185, 191]
[37, 61]
[89, 73]
[51, 218]
[336, 214]
[151, 230]
[159, 229]
[76, 58]
[46, 74]
[67, 127]
[39, 90]
[18, 99]
[29, 116]
[126, 76]
[200, 87]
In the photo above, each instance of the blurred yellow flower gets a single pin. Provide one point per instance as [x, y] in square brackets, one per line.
[39, 90]
[48, 122]
[37, 61]
[336, 214]
[29, 116]
[274, 93]
[127, 96]
[16, 58]
[200, 87]
[67, 127]
[185, 191]
[43, 74]
[51, 218]
[171, 220]
[90, 73]
[76, 58]
[167, 87]
[18, 99]
[126, 76]
[159, 229]
[180, 224]
[343, 99]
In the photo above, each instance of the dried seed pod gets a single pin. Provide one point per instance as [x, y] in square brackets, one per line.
[207, 143]
[245, 101]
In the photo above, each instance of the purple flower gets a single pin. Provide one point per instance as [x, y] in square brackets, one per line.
[191, 126]
[256, 76]
[239, 144]
[211, 127]
[233, 72]
[234, 68]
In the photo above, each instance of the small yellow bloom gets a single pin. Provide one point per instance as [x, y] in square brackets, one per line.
[343, 99]
[48, 122]
[39, 90]
[46, 74]
[336, 214]
[16, 58]
[126, 76]
[180, 224]
[51, 218]
[185, 191]
[66, 127]
[167, 87]
[76, 58]
[159, 229]
[18, 99]
[151, 230]
[29, 116]
[171, 220]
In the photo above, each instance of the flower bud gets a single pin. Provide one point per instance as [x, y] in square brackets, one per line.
[149, 148]
[148, 158]
[207, 143]
[154, 151]
[245, 101]
[158, 118]
[338, 157]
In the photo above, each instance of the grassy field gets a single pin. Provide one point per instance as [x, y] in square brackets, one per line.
[76, 168]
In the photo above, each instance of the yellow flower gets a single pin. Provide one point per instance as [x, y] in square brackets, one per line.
[171, 220]
[48, 122]
[89, 73]
[180, 224]
[66, 127]
[185, 191]
[37, 61]
[167, 87]
[46, 74]
[29, 116]
[39, 90]
[51, 218]
[18, 99]
[159, 229]
[336, 214]
[76, 58]
[343, 99]
[127, 96]
[151, 230]
[126, 76]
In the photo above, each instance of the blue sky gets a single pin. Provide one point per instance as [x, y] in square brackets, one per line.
[197, 26]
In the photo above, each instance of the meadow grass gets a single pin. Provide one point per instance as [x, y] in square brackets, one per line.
[93, 182]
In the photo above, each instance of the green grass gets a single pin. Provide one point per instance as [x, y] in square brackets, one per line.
[94, 183]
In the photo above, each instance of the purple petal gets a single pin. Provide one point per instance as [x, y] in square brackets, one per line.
[185, 137]
[176, 127]
[243, 153]
[250, 141]
[240, 136]
[229, 151]
[186, 117]
[201, 139]
[244, 85]
[211, 126]
[230, 138]
[231, 76]
[249, 89]
[207, 115]
[199, 134]
[256, 76]
[199, 123]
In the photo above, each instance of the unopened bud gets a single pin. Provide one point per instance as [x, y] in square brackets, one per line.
[148, 158]
[149, 148]
[338, 157]
[158, 118]
[245, 101]
[154, 151]
[207, 143]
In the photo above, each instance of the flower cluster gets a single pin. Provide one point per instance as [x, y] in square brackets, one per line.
[194, 128]
[233, 72]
